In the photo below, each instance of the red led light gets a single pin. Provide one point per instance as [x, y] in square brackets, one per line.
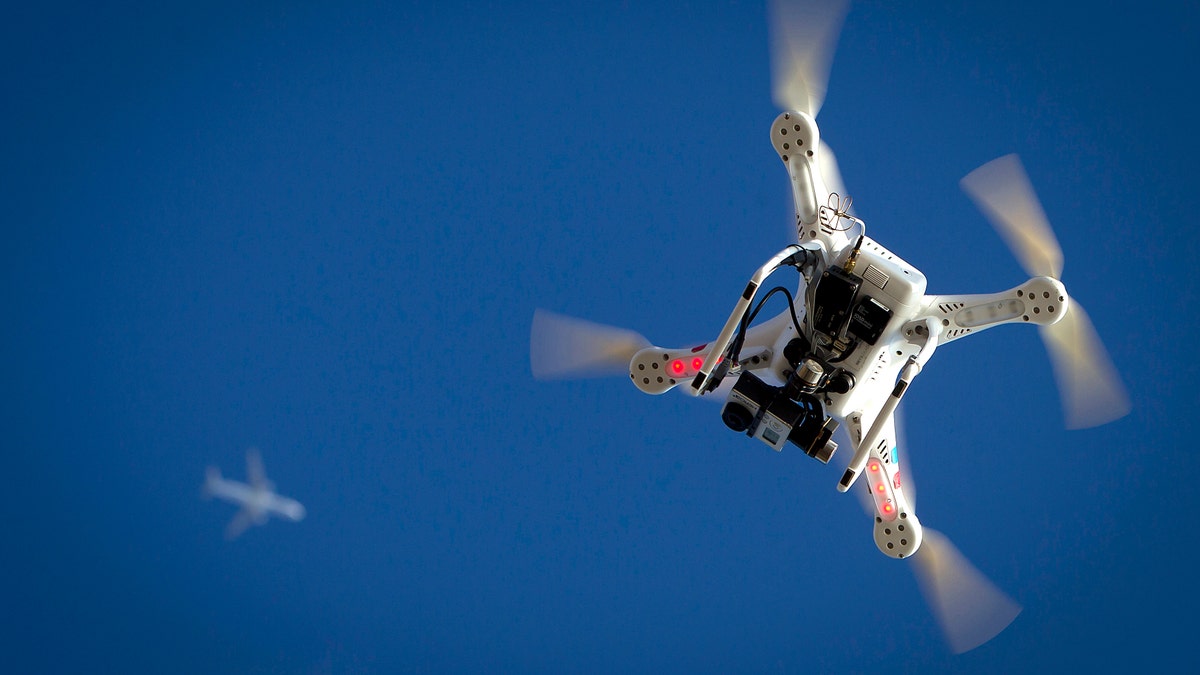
[874, 466]
[677, 366]
[880, 488]
[697, 363]
[888, 508]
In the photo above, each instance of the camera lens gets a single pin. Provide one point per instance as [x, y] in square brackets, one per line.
[736, 416]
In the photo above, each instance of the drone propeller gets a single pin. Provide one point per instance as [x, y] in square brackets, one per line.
[1002, 190]
[969, 608]
[565, 347]
[830, 171]
[1091, 390]
[803, 38]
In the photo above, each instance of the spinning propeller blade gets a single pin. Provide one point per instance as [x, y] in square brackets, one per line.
[803, 38]
[968, 607]
[565, 347]
[830, 172]
[1002, 190]
[1091, 389]
[1092, 393]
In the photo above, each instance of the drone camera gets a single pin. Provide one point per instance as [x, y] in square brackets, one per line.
[765, 412]
[747, 400]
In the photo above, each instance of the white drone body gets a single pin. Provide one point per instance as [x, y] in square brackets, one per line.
[856, 334]
[879, 338]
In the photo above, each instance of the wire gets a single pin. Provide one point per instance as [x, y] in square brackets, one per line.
[748, 318]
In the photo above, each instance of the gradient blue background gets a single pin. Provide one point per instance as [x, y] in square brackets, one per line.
[322, 229]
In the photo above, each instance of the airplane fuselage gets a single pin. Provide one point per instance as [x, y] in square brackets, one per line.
[260, 502]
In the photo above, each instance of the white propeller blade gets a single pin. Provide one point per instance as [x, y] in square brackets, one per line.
[1091, 389]
[830, 173]
[968, 607]
[803, 38]
[565, 347]
[1003, 192]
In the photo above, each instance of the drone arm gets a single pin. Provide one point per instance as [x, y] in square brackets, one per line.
[797, 140]
[929, 331]
[1041, 300]
[792, 255]
[898, 531]
[821, 215]
[657, 370]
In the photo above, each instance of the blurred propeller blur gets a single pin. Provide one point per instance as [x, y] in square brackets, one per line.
[968, 607]
[1091, 390]
[804, 36]
[562, 347]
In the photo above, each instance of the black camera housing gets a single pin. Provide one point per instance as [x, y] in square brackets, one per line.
[767, 413]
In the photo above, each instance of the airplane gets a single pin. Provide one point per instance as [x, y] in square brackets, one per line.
[258, 500]
[838, 361]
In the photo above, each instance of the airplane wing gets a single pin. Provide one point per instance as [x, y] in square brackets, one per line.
[242, 520]
[255, 472]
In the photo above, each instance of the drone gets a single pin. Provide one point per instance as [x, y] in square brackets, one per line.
[856, 333]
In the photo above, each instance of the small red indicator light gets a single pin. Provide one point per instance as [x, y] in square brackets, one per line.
[874, 466]
[677, 366]
[879, 487]
[697, 363]
[888, 508]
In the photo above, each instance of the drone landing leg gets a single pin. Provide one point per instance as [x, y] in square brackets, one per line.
[705, 380]
[929, 333]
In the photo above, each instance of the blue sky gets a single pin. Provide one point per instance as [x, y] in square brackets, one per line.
[322, 229]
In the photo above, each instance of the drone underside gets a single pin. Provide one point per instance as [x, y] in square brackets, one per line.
[857, 331]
